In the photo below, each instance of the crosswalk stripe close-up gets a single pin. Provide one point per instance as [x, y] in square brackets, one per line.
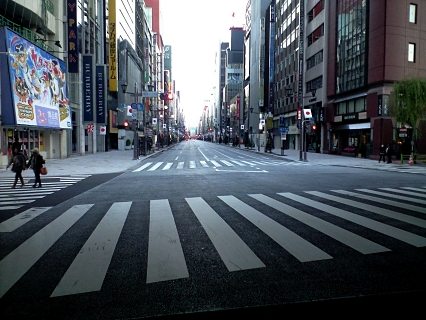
[167, 256]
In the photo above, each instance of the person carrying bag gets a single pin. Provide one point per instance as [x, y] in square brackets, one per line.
[36, 163]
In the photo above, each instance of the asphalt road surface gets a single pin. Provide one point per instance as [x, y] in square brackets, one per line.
[203, 231]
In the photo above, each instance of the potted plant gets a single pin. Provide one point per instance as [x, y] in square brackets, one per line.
[128, 143]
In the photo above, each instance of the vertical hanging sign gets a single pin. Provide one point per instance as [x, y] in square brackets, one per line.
[271, 57]
[112, 20]
[87, 88]
[100, 94]
[72, 36]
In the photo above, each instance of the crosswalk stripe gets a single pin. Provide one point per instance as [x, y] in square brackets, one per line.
[415, 189]
[88, 270]
[227, 163]
[385, 229]
[146, 165]
[249, 163]
[155, 166]
[20, 219]
[9, 208]
[348, 238]
[301, 249]
[381, 211]
[35, 247]
[420, 195]
[384, 194]
[192, 165]
[239, 163]
[165, 255]
[180, 165]
[17, 201]
[233, 251]
[204, 164]
[215, 163]
[381, 200]
[168, 166]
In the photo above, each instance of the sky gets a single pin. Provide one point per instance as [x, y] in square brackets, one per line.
[195, 29]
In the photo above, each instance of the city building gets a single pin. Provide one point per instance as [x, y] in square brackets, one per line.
[371, 44]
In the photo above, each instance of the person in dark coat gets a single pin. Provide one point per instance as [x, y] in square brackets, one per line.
[18, 164]
[36, 162]
[389, 153]
[382, 153]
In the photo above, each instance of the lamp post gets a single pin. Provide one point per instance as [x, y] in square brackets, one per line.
[134, 121]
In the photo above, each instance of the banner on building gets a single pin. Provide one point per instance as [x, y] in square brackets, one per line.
[87, 87]
[72, 36]
[100, 94]
[37, 80]
[112, 20]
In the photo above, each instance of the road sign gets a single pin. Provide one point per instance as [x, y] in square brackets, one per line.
[149, 94]
[284, 129]
[134, 105]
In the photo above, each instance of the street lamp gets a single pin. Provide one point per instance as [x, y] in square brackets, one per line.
[134, 122]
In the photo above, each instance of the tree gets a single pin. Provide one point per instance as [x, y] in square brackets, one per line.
[409, 97]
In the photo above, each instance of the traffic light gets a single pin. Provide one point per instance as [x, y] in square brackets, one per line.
[314, 127]
[169, 96]
[125, 125]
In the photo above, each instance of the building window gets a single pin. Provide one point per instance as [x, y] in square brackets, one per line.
[413, 13]
[412, 52]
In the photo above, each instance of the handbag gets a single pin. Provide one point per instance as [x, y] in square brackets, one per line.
[43, 171]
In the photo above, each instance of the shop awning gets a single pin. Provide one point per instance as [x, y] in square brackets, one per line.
[351, 126]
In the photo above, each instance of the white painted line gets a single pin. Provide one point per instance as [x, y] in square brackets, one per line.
[88, 270]
[381, 200]
[180, 165]
[227, 163]
[350, 239]
[155, 166]
[204, 164]
[20, 219]
[239, 163]
[301, 249]
[232, 249]
[29, 252]
[192, 165]
[394, 196]
[381, 211]
[142, 167]
[215, 163]
[377, 226]
[168, 166]
[165, 255]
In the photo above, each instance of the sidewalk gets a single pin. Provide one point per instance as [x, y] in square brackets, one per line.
[119, 161]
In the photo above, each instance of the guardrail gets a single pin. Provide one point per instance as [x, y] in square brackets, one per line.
[416, 157]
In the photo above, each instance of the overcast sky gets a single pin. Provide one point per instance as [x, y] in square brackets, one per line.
[195, 29]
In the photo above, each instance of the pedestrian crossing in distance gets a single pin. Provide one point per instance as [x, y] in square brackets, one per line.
[163, 166]
[12, 199]
[362, 221]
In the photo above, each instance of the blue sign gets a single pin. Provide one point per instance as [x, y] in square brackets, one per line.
[284, 129]
[134, 105]
[140, 106]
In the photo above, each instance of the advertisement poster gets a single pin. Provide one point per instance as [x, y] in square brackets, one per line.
[38, 85]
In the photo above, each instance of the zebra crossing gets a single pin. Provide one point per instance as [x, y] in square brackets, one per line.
[163, 166]
[12, 199]
[377, 213]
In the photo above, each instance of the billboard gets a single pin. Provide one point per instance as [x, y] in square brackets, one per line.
[38, 85]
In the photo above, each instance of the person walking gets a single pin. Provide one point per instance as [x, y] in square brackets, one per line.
[382, 153]
[36, 162]
[18, 164]
[389, 153]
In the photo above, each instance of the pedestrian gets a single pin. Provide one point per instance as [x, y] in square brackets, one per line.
[18, 164]
[382, 153]
[389, 153]
[36, 163]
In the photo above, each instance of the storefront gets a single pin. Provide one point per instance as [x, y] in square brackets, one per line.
[35, 108]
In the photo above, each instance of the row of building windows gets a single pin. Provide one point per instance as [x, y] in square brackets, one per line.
[351, 106]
